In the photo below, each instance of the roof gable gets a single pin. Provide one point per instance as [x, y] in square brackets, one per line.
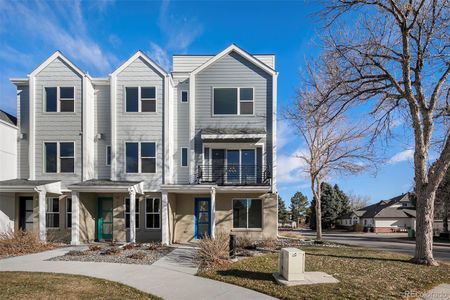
[52, 58]
[241, 52]
[139, 54]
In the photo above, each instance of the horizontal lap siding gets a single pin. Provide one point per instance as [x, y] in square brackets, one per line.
[233, 71]
[102, 125]
[188, 63]
[24, 118]
[140, 126]
[181, 132]
[58, 126]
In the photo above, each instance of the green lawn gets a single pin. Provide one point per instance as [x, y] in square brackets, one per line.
[363, 274]
[24, 285]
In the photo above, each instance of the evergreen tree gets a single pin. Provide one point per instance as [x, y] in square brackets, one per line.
[298, 206]
[282, 212]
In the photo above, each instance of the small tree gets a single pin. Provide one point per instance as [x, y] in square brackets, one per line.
[333, 145]
[282, 212]
[358, 201]
[298, 206]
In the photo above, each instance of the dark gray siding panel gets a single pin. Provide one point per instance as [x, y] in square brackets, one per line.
[102, 125]
[23, 93]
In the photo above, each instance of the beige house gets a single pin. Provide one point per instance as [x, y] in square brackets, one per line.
[146, 155]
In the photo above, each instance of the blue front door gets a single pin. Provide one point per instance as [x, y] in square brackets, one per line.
[202, 217]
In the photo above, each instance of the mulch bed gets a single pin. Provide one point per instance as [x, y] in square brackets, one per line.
[143, 254]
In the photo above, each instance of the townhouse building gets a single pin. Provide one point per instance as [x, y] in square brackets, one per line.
[146, 155]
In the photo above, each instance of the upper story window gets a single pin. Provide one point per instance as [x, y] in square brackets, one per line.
[59, 157]
[233, 101]
[140, 99]
[140, 157]
[60, 99]
[184, 96]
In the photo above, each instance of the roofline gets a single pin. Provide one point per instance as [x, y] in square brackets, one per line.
[19, 81]
[57, 54]
[139, 53]
[268, 54]
[9, 124]
[245, 54]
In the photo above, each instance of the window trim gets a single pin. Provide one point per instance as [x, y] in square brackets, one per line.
[137, 212]
[140, 99]
[58, 100]
[106, 157]
[139, 156]
[53, 213]
[152, 213]
[187, 157]
[58, 157]
[247, 228]
[238, 114]
[181, 96]
[67, 213]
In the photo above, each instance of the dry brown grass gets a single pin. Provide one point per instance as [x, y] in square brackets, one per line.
[22, 242]
[243, 242]
[95, 248]
[213, 252]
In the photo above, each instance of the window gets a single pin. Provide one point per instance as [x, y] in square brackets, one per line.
[152, 213]
[69, 212]
[108, 155]
[140, 99]
[59, 157]
[52, 213]
[67, 158]
[233, 101]
[127, 213]
[184, 96]
[184, 157]
[247, 213]
[140, 157]
[60, 99]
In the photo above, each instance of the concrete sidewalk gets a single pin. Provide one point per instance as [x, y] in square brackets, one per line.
[171, 277]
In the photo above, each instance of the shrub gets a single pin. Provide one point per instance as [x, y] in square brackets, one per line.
[128, 246]
[111, 251]
[268, 244]
[243, 242]
[155, 246]
[213, 252]
[95, 248]
[137, 255]
[21, 242]
[76, 253]
[358, 228]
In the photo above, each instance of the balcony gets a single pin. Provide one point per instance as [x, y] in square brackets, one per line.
[233, 175]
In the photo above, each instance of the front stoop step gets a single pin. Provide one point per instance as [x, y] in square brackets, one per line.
[310, 278]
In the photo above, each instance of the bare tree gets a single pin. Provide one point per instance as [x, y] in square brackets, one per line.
[333, 146]
[358, 201]
[395, 56]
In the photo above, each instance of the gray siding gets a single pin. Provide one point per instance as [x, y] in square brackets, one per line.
[57, 126]
[102, 125]
[181, 132]
[23, 117]
[145, 127]
[233, 71]
[188, 63]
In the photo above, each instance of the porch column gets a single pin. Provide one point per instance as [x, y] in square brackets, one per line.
[213, 212]
[132, 193]
[42, 214]
[164, 218]
[75, 218]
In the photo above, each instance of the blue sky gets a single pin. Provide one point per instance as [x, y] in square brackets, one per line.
[99, 36]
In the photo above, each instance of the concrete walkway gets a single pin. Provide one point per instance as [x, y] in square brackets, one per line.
[171, 277]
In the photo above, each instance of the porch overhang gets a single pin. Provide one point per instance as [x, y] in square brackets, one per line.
[108, 186]
[206, 188]
[30, 186]
[232, 134]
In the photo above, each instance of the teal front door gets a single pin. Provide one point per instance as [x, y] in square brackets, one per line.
[105, 219]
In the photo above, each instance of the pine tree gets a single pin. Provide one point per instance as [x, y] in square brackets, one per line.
[298, 206]
[282, 212]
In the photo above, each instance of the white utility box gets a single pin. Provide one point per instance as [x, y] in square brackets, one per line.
[291, 264]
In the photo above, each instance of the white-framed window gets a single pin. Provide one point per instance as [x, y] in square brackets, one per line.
[140, 157]
[233, 101]
[59, 99]
[59, 157]
[184, 157]
[152, 213]
[68, 212]
[140, 99]
[127, 213]
[247, 213]
[52, 213]
[184, 96]
[108, 155]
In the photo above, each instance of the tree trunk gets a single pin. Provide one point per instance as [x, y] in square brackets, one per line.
[424, 226]
[317, 194]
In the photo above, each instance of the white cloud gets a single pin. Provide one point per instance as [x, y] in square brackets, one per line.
[285, 134]
[69, 34]
[290, 168]
[15, 57]
[159, 55]
[405, 155]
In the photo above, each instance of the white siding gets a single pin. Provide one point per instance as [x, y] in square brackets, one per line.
[8, 151]
[7, 211]
[188, 63]
[102, 126]
[400, 222]
[23, 122]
